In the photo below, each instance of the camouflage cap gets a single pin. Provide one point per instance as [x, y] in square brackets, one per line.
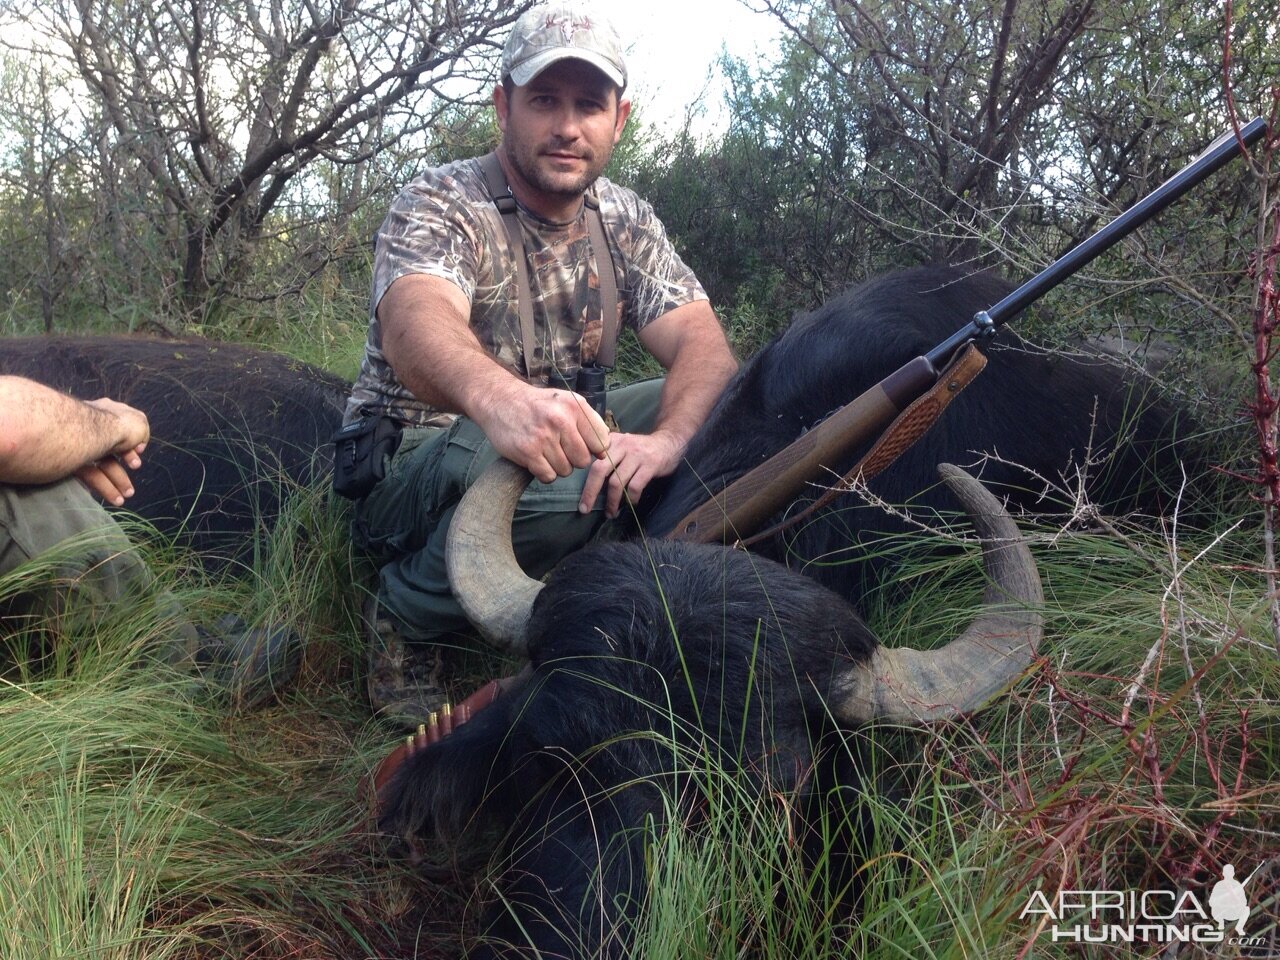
[552, 32]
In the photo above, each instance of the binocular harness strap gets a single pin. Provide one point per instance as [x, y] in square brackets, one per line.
[505, 201]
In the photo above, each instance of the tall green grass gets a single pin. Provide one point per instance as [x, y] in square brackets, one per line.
[1140, 753]
[142, 816]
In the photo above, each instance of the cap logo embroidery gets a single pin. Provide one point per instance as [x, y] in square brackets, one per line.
[567, 24]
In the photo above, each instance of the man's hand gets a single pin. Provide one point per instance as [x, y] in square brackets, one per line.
[135, 429]
[633, 459]
[430, 345]
[108, 477]
[548, 432]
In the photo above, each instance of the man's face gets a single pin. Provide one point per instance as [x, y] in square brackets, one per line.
[559, 130]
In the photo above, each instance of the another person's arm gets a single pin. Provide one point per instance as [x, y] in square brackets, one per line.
[46, 435]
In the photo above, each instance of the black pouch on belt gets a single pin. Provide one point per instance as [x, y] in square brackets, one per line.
[360, 453]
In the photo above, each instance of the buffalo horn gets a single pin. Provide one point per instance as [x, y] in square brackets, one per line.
[914, 686]
[899, 684]
[494, 592]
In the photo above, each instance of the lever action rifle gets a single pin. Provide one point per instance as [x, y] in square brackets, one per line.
[927, 381]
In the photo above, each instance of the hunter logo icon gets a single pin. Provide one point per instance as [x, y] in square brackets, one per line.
[1159, 916]
[1227, 900]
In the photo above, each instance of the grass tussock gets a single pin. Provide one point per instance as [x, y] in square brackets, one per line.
[1140, 753]
[144, 817]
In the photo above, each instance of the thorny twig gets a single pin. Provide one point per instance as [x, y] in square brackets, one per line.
[1266, 317]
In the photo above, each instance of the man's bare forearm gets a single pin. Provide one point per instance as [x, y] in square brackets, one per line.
[691, 389]
[430, 345]
[46, 435]
[700, 366]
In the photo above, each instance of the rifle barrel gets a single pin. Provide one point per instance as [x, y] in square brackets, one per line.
[1215, 156]
[739, 509]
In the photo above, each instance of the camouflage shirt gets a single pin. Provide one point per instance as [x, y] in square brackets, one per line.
[443, 224]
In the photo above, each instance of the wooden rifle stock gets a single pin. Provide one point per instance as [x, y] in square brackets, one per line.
[752, 499]
[744, 505]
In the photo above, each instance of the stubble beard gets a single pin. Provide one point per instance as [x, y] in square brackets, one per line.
[525, 158]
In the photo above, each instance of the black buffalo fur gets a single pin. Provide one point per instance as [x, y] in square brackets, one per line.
[629, 645]
[1029, 407]
[731, 652]
[231, 426]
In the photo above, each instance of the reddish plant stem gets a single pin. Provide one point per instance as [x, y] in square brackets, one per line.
[1266, 314]
[1266, 317]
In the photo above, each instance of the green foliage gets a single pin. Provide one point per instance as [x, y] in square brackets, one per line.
[866, 143]
[203, 143]
[148, 819]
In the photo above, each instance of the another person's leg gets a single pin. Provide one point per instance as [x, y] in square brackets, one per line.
[79, 559]
[82, 564]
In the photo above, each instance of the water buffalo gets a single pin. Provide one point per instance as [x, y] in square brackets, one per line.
[1038, 414]
[232, 427]
[731, 655]
[745, 665]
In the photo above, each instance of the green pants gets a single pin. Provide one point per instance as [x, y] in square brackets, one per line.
[80, 560]
[404, 521]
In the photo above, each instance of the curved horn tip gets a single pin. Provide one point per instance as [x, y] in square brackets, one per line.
[496, 595]
[973, 495]
[912, 686]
